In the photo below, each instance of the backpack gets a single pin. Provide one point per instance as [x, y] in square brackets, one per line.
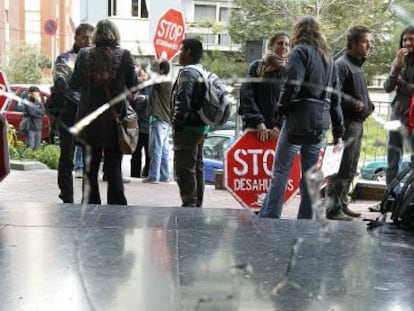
[399, 200]
[215, 110]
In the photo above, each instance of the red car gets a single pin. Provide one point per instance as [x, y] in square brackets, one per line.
[13, 110]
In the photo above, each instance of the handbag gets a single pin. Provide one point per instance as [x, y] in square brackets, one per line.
[308, 118]
[128, 130]
[127, 127]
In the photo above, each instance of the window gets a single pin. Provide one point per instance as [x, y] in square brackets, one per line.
[125, 8]
[204, 12]
[111, 7]
[224, 15]
[139, 8]
[214, 147]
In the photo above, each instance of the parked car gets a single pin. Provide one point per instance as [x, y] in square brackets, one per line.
[375, 169]
[13, 110]
[215, 145]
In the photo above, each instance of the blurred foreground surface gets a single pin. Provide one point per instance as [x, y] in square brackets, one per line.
[157, 256]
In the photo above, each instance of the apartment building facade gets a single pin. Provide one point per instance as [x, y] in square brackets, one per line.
[24, 21]
[137, 21]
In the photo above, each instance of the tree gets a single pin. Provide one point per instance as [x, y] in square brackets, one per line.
[24, 64]
[259, 19]
[225, 64]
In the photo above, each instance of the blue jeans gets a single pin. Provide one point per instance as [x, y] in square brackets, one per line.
[284, 156]
[33, 139]
[78, 159]
[159, 150]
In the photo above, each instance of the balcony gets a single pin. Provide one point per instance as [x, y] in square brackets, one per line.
[212, 40]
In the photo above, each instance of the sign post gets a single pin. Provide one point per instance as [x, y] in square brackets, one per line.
[50, 27]
[169, 34]
[248, 170]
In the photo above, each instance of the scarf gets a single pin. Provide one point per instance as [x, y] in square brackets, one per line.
[271, 62]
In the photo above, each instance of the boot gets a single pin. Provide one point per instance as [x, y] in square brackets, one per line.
[338, 216]
[350, 212]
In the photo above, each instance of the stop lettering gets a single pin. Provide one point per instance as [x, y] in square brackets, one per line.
[248, 170]
[169, 34]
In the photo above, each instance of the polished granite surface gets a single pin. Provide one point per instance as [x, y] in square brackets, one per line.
[64, 257]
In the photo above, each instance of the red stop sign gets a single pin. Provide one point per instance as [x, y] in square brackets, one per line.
[4, 86]
[248, 170]
[168, 35]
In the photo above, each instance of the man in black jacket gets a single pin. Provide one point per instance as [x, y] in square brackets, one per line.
[63, 69]
[356, 107]
[189, 130]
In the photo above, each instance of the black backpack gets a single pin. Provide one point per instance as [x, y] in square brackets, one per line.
[399, 200]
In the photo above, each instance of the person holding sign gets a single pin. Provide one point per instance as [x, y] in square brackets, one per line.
[258, 100]
[356, 107]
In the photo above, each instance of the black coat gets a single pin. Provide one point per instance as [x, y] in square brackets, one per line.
[354, 87]
[307, 77]
[99, 71]
[401, 79]
[258, 100]
[187, 96]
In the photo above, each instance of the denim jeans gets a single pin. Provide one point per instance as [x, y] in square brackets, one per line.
[159, 150]
[78, 159]
[33, 139]
[284, 156]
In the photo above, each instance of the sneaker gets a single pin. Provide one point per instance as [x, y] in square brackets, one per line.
[150, 181]
[340, 215]
[165, 180]
[78, 174]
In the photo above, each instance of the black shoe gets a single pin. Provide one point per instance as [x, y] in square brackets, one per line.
[338, 216]
[349, 212]
[65, 200]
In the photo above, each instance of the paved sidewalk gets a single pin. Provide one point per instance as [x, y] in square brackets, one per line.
[40, 186]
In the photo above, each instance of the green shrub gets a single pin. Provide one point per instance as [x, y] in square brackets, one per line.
[47, 154]
[374, 141]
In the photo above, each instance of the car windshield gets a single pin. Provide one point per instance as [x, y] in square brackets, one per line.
[214, 147]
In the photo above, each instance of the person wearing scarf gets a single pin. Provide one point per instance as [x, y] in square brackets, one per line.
[259, 97]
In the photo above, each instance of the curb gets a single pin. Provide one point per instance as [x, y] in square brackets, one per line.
[27, 165]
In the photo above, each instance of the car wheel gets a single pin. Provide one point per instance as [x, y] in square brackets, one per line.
[379, 175]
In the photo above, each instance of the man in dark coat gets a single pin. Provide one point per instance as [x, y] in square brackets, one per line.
[189, 130]
[62, 73]
[356, 107]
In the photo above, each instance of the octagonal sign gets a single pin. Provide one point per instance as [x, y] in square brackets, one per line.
[248, 170]
[169, 34]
